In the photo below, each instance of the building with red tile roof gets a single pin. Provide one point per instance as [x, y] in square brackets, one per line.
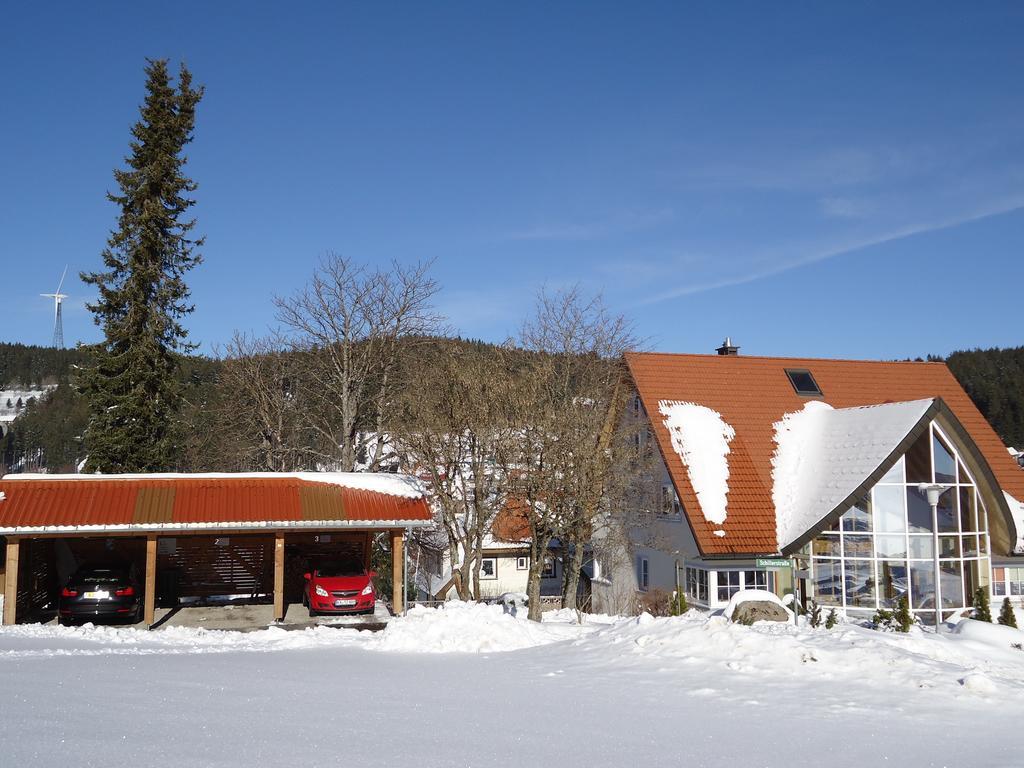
[820, 462]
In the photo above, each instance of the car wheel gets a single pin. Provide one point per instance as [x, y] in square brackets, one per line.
[312, 613]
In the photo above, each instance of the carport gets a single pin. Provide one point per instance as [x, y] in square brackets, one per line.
[198, 535]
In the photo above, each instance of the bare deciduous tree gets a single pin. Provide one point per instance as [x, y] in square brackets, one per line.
[453, 428]
[265, 415]
[568, 404]
[348, 323]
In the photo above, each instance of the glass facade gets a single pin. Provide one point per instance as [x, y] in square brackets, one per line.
[883, 546]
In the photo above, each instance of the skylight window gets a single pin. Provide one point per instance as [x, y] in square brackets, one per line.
[803, 382]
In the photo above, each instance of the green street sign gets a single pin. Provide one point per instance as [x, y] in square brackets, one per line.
[772, 562]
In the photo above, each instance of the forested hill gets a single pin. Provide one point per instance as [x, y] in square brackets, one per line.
[51, 430]
[994, 378]
[23, 365]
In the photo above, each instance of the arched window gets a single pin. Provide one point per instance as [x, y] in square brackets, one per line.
[883, 546]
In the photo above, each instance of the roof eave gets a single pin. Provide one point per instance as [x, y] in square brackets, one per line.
[198, 529]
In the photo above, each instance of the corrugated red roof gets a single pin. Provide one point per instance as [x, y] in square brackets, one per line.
[752, 393]
[195, 502]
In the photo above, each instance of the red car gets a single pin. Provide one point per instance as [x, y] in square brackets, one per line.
[339, 586]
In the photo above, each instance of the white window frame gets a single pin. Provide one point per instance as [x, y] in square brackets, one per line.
[523, 563]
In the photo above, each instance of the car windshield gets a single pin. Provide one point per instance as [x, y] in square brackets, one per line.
[348, 567]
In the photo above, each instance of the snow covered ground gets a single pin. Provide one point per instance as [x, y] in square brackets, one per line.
[470, 686]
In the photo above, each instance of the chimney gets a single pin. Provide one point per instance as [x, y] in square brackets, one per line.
[727, 348]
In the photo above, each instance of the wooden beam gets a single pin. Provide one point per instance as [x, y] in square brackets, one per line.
[149, 606]
[279, 576]
[397, 597]
[11, 581]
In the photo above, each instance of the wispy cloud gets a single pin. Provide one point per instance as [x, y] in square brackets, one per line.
[620, 223]
[846, 207]
[812, 255]
[828, 169]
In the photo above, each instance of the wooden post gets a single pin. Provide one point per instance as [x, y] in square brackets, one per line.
[149, 606]
[397, 557]
[279, 576]
[11, 581]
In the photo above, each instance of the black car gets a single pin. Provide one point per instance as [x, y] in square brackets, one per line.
[101, 592]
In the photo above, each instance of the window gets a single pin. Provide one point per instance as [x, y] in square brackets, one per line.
[697, 584]
[489, 568]
[522, 563]
[1007, 581]
[670, 502]
[728, 585]
[884, 546]
[803, 382]
[731, 582]
[643, 573]
[549, 568]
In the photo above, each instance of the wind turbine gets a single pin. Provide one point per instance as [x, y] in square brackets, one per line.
[58, 322]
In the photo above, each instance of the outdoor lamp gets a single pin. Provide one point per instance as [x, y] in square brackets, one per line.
[933, 491]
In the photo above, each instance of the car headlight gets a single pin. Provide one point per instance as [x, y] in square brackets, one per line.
[368, 589]
[321, 592]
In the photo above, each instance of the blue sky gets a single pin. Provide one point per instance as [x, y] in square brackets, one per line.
[836, 182]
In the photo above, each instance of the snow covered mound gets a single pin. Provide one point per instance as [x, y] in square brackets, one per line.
[458, 627]
[994, 635]
[701, 438]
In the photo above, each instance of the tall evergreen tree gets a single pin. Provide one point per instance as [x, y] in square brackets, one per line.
[130, 385]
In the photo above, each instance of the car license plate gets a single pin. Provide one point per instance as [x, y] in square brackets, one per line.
[102, 595]
[343, 603]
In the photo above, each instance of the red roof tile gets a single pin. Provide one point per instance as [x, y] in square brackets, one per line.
[42, 502]
[752, 393]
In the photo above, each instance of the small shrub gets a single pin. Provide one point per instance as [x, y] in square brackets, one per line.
[982, 611]
[1006, 617]
[898, 620]
[815, 615]
[679, 605]
[832, 619]
[902, 616]
[656, 602]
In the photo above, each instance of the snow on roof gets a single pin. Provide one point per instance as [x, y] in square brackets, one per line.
[823, 454]
[701, 439]
[405, 486]
[1017, 510]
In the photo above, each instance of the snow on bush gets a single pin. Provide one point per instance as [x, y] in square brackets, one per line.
[701, 438]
